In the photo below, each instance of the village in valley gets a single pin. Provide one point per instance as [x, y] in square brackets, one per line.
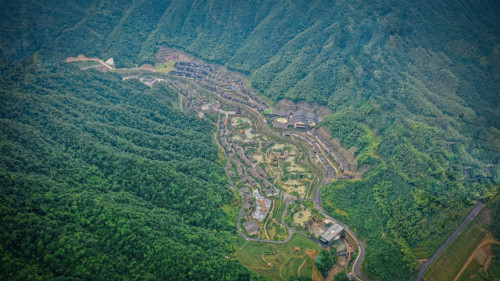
[277, 157]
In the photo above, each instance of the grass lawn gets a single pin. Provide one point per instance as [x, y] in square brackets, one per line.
[282, 257]
[452, 260]
[271, 230]
[166, 67]
[292, 266]
[306, 271]
[279, 207]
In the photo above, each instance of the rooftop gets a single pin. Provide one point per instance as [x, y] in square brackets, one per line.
[273, 191]
[279, 125]
[251, 226]
[281, 113]
[331, 233]
[304, 117]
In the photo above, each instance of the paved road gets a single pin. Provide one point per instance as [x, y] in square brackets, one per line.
[288, 238]
[262, 125]
[356, 267]
[472, 214]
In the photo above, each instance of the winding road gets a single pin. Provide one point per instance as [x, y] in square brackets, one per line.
[262, 125]
[357, 265]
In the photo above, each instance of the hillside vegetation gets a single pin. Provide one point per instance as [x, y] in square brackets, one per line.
[105, 180]
[413, 86]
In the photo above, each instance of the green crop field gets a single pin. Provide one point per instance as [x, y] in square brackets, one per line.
[471, 273]
[450, 263]
[282, 257]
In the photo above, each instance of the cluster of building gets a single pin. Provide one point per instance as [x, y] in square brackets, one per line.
[150, 81]
[343, 165]
[304, 119]
[301, 119]
[241, 153]
[230, 88]
[254, 203]
[258, 172]
[247, 198]
[263, 206]
[218, 80]
[195, 70]
[330, 171]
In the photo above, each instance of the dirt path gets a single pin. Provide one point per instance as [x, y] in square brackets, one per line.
[472, 214]
[486, 241]
[281, 267]
[316, 276]
[89, 59]
[336, 270]
[268, 254]
[300, 267]
[270, 215]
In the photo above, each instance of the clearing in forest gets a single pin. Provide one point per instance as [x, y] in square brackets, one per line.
[300, 217]
[280, 261]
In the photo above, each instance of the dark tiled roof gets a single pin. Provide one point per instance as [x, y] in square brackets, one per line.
[281, 113]
[279, 125]
[304, 117]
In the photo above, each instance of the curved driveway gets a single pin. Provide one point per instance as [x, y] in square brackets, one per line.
[356, 268]
[288, 238]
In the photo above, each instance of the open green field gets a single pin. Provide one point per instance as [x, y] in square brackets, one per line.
[284, 259]
[450, 263]
[471, 273]
[166, 67]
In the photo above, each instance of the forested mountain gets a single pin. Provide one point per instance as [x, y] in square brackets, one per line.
[105, 180]
[413, 86]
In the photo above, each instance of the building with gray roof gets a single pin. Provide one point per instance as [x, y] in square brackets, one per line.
[304, 119]
[280, 113]
[332, 233]
[273, 191]
[279, 125]
[252, 227]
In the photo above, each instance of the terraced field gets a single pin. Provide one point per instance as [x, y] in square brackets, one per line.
[284, 261]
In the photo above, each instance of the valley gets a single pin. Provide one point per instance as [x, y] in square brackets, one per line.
[278, 171]
[250, 140]
[277, 161]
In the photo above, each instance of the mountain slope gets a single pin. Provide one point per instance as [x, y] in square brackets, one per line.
[413, 86]
[103, 179]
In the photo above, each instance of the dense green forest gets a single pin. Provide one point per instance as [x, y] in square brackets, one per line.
[326, 260]
[105, 180]
[413, 86]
